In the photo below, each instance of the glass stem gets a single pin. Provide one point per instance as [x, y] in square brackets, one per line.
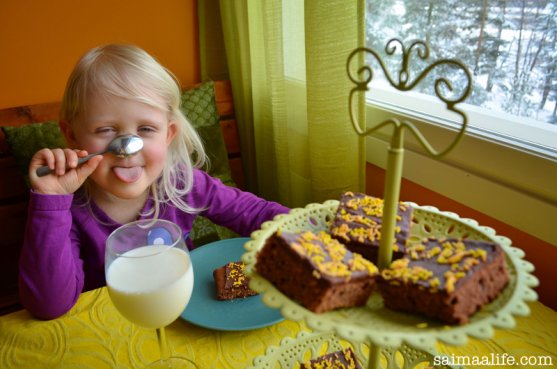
[161, 337]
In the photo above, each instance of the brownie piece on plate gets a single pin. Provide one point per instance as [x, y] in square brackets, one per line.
[357, 224]
[231, 282]
[316, 270]
[345, 359]
[446, 279]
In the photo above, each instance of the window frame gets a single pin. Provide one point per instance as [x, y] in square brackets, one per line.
[492, 173]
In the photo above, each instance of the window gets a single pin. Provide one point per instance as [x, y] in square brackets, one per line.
[506, 167]
[510, 46]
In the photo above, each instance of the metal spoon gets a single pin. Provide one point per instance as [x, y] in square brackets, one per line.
[121, 146]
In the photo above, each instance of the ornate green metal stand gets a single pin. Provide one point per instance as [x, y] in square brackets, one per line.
[362, 79]
[396, 148]
[381, 329]
[310, 345]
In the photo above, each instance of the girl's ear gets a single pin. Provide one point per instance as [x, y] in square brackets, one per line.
[68, 133]
[172, 131]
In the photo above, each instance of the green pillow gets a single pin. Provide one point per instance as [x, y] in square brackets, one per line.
[26, 140]
[200, 107]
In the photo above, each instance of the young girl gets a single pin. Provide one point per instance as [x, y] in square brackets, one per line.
[116, 90]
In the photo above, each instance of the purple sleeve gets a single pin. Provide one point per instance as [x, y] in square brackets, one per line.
[241, 211]
[50, 270]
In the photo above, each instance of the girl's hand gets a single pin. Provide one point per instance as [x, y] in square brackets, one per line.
[67, 176]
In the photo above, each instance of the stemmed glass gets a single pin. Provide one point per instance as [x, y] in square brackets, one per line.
[149, 276]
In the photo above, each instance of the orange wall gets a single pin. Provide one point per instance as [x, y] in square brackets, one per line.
[538, 252]
[40, 41]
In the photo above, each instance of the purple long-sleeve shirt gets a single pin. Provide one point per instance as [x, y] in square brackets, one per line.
[63, 250]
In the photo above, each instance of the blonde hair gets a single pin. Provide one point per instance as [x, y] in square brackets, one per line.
[128, 71]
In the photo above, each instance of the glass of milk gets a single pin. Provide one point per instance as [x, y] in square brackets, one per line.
[149, 276]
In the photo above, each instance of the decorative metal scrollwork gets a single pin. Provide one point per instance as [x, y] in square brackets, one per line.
[365, 74]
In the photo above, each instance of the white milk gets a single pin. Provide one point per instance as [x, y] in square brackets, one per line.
[149, 286]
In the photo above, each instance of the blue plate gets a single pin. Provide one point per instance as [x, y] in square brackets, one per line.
[232, 315]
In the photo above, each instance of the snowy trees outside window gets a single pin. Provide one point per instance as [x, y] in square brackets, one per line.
[510, 46]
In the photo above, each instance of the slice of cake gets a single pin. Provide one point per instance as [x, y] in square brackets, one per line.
[447, 279]
[345, 359]
[357, 224]
[231, 282]
[316, 270]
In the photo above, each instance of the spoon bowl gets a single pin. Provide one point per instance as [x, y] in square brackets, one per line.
[121, 146]
[124, 146]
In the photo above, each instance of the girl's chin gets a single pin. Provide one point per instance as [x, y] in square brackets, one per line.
[131, 194]
[122, 191]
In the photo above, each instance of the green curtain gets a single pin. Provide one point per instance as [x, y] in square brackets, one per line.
[287, 65]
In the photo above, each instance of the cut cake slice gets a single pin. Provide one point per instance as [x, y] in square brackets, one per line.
[316, 270]
[357, 224]
[231, 282]
[345, 359]
[445, 279]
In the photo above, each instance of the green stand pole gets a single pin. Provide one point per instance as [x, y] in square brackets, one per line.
[374, 359]
[391, 197]
[390, 210]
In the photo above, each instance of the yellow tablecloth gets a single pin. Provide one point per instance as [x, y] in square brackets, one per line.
[94, 335]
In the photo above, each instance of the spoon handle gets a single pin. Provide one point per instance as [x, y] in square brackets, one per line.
[44, 170]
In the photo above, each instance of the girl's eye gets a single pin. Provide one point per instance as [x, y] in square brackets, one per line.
[146, 129]
[105, 130]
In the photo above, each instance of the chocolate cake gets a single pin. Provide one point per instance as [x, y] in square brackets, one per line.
[357, 224]
[316, 270]
[446, 279]
[231, 282]
[345, 359]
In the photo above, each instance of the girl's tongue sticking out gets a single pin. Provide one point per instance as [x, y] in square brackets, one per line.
[128, 175]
